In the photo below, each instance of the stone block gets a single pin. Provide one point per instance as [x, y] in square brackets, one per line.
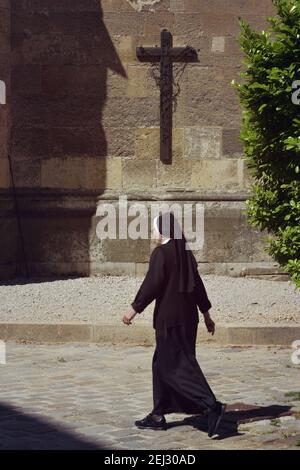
[258, 246]
[77, 141]
[30, 143]
[211, 108]
[56, 243]
[4, 46]
[4, 20]
[218, 44]
[228, 236]
[153, 22]
[108, 268]
[178, 174]
[175, 176]
[116, 85]
[262, 270]
[149, 5]
[151, 40]
[248, 179]
[4, 116]
[202, 44]
[210, 100]
[103, 173]
[70, 111]
[177, 143]
[198, 74]
[113, 173]
[66, 49]
[30, 110]
[74, 80]
[135, 112]
[212, 23]
[37, 49]
[177, 6]
[125, 46]
[9, 235]
[232, 51]
[139, 174]
[138, 82]
[256, 20]
[64, 173]
[44, 6]
[141, 269]
[4, 135]
[215, 174]
[126, 251]
[232, 145]
[75, 23]
[279, 335]
[147, 143]
[179, 110]
[109, 6]
[26, 79]
[35, 23]
[238, 8]
[124, 23]
[27, 174]
[61, 142]
[3, 147]
[76, 173]
[5, 4]
[140, 335]
[203, 142]
[49, 333]
[120, 141]
[5, 179]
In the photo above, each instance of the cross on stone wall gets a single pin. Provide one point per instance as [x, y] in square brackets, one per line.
[166, 54]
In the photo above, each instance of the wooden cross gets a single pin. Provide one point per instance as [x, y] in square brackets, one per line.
[166, 54]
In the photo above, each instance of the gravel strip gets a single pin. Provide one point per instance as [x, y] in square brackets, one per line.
[241, 301]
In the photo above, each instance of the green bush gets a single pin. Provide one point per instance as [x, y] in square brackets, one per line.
[271, 131]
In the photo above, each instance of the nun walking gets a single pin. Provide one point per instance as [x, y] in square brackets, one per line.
[173, 281]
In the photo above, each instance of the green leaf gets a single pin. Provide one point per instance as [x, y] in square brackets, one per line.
[271, 129]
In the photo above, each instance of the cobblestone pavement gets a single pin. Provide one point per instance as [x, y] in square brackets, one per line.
[75, 396]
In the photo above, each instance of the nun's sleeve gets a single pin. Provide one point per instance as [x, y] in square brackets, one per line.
[153, 282]
[201, 295]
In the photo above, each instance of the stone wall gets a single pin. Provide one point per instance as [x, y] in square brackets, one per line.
[85, 125]
[5, 78]
[86, 111]
[8, 225]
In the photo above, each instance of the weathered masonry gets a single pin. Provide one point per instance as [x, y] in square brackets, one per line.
[82, 126]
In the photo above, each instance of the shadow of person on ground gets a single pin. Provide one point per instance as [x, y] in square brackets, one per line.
[236, 414]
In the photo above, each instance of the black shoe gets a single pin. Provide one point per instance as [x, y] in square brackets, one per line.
[215, 418]
[150, 423]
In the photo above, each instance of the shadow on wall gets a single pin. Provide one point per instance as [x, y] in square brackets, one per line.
[61, 54]
[20, 431]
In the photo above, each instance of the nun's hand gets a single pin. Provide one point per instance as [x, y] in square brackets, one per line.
[128, 317]
[209, 323]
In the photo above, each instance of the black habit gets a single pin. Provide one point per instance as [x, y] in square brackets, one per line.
[179, 385]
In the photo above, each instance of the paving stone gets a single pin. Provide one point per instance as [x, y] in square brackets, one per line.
[93, 399]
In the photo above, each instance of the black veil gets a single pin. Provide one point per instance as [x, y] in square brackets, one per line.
[184, 259]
